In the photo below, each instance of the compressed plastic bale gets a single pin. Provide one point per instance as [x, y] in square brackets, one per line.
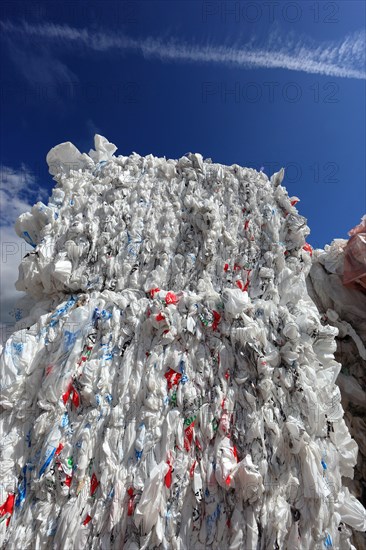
[178, 382]
[345, 311]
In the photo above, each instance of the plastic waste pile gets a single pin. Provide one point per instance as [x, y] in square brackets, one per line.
[341, 299]
[171, 385]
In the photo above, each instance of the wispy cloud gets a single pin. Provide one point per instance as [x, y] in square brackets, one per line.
[18, 192]
[345, 58]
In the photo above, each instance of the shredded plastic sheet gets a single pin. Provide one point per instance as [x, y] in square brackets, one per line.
[173, 385]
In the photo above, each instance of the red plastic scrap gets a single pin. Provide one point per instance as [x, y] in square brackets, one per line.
[173, 378]
[188, 436]
[7, 507]
[308, 248]
[226, 267]
[93, 484]
[86, 520]
[131, 502]
[160, 317]
[59, 449]
[235, 453]
[68, 480]
[217, 318]
[248, 281]
[191, 470]
[153, 291]
[67, 393]
[168, 476]
[75, 397]
[171, 298]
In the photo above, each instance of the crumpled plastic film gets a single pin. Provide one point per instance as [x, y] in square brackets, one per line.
[173, 385]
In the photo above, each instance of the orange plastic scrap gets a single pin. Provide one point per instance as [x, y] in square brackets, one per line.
[354, 270]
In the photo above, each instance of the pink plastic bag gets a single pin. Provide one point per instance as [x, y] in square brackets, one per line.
[354, 270]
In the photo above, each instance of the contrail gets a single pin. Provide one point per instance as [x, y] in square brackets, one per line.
[344, 59]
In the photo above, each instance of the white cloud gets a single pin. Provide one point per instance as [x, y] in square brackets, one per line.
[18, 192]
[345, 58]
[17, 189]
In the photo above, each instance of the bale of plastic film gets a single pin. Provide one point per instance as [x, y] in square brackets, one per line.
[173, 385]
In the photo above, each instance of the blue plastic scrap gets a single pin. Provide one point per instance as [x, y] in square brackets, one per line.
[328, 541]
[28, 239]
[22, 488]
[47, 461]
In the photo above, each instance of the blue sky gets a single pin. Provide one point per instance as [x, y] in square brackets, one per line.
[254, 83]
